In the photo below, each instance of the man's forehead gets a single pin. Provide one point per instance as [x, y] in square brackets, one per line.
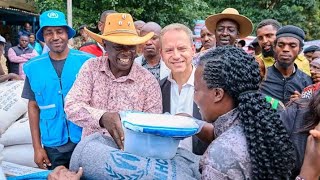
[51, 28]
[228, 22]
[151, 28]
[146, 31]
[266, 30]
[204, 30]
[315, 63]
[24, 36]
[287, 40]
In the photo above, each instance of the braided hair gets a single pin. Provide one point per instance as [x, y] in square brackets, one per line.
[237, 73]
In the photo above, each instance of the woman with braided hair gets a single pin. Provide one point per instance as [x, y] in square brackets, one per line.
[251, 142]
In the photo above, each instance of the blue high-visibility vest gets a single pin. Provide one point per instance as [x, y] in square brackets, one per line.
[50, 91]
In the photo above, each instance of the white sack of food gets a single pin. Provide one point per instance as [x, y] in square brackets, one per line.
[12, 106]
[17, 133]
[19, 154]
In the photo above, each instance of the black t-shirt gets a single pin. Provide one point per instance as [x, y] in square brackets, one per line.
[27, 92]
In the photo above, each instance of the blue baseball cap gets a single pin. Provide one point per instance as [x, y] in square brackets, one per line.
[53, 18]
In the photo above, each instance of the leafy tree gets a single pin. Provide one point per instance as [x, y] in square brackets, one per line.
[305, 14]
[161, 11]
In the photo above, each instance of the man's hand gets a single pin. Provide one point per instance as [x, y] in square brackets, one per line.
[315, 76]
[62, 173]
[112, 122]
[41, 158]
[311, 164]
[295, 96]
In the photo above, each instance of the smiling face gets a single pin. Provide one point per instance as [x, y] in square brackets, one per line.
[177, 51]
[266, 36]
[56, 38]
[286, 51]
[226, 32]
[120, 57]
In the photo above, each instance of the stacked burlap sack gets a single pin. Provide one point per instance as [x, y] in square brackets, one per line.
[15, 133]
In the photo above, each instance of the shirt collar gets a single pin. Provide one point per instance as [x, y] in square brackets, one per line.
[224, 122]
[144, 61]
[190, 80]
[102, 48]
[104, 67]
[295, 67]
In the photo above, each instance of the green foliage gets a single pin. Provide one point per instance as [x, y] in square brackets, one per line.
[161, 11]
[43, 5]
[302, 13]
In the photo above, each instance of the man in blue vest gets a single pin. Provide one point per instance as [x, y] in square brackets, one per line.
[49, 78]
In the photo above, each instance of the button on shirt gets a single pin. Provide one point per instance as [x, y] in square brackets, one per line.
[96, 91]
[182, 102]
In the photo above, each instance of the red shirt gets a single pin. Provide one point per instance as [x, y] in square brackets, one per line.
[92, 49]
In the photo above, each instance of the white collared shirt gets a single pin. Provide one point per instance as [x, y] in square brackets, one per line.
[183, 102]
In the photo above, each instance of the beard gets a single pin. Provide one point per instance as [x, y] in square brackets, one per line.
[284, 65]
[269, 53]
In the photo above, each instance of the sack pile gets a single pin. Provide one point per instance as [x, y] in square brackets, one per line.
[15, 132]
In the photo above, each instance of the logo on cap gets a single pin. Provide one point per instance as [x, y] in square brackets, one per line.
[53, 15]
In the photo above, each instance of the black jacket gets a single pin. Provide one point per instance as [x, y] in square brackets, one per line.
[278, 87]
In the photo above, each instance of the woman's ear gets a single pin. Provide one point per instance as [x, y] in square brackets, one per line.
[218, 94]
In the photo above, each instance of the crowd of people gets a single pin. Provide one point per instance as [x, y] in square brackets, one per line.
[259, 112]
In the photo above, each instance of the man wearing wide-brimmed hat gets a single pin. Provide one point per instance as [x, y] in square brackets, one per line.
[109, 84]
[49, 78]
[229, 26]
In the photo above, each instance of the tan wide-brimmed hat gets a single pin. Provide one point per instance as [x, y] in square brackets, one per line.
[119, 28]
[245, 23]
